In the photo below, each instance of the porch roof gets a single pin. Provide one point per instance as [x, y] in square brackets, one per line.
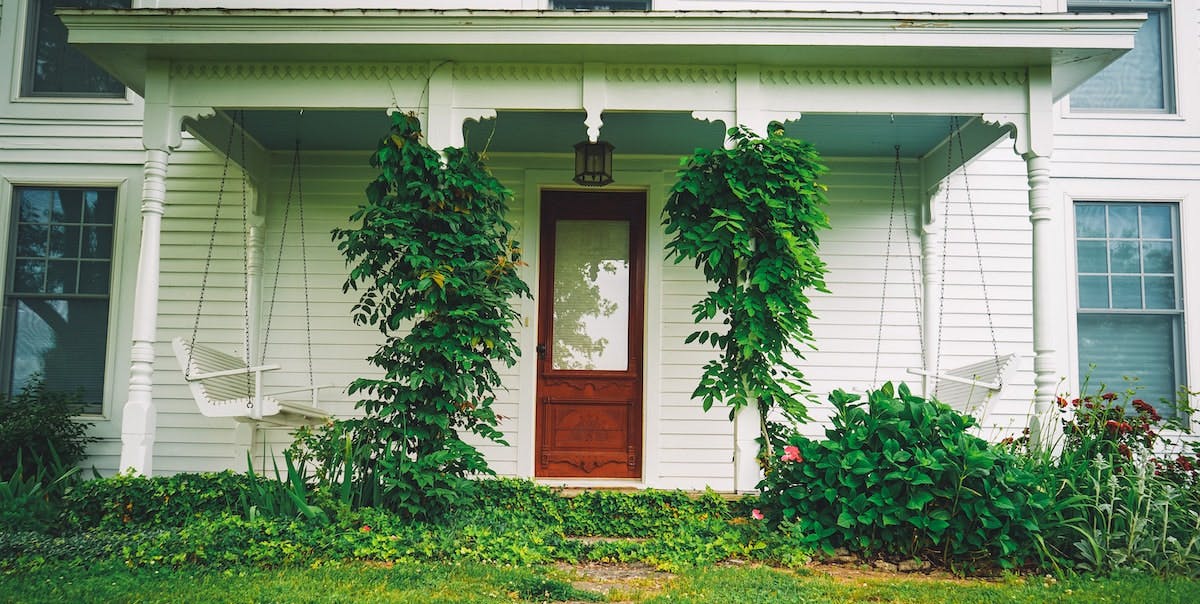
[1075, 46]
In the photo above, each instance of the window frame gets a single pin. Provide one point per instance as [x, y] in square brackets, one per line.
[1179, 336]
[24, 81]
[9, 223]
[1167, 30]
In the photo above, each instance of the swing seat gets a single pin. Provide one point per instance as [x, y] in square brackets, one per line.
[966, 389]
[226, 386]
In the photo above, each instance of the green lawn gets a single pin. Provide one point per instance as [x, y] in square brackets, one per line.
[469, 583]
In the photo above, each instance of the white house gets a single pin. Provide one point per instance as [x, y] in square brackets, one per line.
[1059, 240]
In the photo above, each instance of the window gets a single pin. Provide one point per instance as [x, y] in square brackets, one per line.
[1141, 80]
[52, 68]
[1130, 314]
[600, 4]
[57, 291]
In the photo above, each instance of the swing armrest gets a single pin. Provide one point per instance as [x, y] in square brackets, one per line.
[228, 372]
[954, 378]
[305, 389]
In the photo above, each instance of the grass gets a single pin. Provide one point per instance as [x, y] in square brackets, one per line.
[471, 584]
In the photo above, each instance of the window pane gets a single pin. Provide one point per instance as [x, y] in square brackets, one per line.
[1089, 220]
[1123, 256]
[99, 206]
[68, 206]
[52, 67]
[31, 240]
[591, 295]
[64, 241]
[64, 341]
[1093, 292]
[35, 205]
[1093, 257]
[1160, 292]
[97, 242]
[1127, 292]
[1134, 81]
[93, 277]
[29, 276]
[1137, 346]
[1156, 221]
[1158, 257]
[1122, 221]
[60, 276]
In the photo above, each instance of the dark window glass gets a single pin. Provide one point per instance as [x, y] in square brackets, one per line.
[52, 67]
[58, 290]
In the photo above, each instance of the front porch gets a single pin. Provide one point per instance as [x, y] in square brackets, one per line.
[655, 86]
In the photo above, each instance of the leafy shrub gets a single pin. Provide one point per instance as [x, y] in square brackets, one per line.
[900, 476]
[38, 424]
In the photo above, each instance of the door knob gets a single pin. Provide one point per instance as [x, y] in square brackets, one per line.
[541, 351]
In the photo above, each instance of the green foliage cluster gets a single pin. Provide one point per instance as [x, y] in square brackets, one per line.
[900, 476]
[159, 501]
[207, 520]
[438, 271]
[1126, 497]
[749, 217]
[41, 445]
[39, 424]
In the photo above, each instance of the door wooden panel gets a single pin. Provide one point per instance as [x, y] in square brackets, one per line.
[590, 335]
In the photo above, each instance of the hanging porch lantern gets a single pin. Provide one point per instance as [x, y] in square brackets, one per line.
[593, 163]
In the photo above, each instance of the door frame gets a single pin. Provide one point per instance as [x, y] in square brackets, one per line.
[654, 183]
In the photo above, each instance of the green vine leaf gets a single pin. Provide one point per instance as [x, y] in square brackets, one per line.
[749, 217]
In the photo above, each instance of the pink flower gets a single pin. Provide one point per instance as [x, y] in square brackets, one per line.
[757, 515]
[791, 453]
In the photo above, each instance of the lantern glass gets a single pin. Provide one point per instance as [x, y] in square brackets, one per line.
[593, 163]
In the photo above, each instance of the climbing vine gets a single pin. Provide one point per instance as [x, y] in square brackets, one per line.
[437, 269]
[749, 217]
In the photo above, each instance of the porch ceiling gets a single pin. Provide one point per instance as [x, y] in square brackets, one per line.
[1074, 45]
[650, 133]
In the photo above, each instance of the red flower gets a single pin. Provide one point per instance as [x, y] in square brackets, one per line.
[1125, 428]
[1123, 449]
[1109, 396]
[366, 528]
[1075, 402]
[1062, 402]
[1113, 426]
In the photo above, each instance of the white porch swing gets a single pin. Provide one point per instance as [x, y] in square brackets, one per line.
[225, 385]
[971, 388]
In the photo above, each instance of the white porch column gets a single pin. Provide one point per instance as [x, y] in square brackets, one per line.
[138, 424]
[160, 137]
[931, 288]
[1034, 136]
[1049, 291]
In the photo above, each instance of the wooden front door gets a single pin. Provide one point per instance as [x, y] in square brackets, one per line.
[589, 388]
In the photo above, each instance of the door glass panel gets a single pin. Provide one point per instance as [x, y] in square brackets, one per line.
[591, 295]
